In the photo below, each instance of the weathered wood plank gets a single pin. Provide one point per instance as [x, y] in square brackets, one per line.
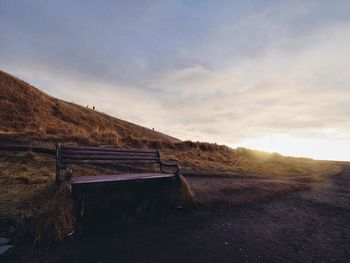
[77, 148]
[111, 158]
[84, 154]
[72, 161]
[106, 157]
[102, 152]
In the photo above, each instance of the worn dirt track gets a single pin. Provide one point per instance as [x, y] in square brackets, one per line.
[306, 226]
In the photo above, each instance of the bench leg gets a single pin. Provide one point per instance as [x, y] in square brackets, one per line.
[80, 211]
[177, 179]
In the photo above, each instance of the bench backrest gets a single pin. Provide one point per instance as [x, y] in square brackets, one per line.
[67, 155]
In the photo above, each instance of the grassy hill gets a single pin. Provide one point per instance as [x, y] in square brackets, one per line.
[30, 112]
[29, 115]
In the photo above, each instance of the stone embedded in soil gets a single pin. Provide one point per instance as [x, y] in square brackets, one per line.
[5, 250]
[4, 241]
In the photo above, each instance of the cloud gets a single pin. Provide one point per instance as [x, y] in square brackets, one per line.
[277, 93]
[225, 73]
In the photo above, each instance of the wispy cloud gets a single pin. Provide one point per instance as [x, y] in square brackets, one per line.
[228, 73]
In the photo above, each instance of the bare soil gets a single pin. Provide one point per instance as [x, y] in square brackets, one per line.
[304, 226]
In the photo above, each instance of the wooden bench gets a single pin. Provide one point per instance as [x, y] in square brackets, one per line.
[67, 155]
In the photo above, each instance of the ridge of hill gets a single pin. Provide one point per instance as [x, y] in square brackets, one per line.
[30, 115]
[30, 112]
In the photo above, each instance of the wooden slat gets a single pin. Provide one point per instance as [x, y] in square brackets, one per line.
[78, 180]
[77, 148]
[73, 161]
[110, 150]
[107, 157]
[94, 153]
[116, 158]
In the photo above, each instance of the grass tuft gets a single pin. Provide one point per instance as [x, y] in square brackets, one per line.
[56, 217]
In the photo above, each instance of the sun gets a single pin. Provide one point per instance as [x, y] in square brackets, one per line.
[316, 148]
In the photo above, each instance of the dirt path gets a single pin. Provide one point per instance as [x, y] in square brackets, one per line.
[307, 226]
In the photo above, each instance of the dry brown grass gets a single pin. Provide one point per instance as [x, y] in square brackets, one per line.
[32, 116]
[29, 200]
[55, 218]
[219, 191]
[29, 112]
[204, 158]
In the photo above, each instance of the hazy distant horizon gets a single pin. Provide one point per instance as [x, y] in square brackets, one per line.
[266, 75]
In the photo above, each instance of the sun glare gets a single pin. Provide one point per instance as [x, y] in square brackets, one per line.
[322, 149]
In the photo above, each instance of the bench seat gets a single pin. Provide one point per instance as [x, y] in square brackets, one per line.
[77, 180]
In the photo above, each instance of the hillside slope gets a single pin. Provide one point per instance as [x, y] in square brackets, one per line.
[33, 116]
[26, 110]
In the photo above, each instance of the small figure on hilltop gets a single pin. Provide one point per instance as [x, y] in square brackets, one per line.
[152, 129]
[93, 107]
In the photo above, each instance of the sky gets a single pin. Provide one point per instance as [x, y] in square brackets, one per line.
[267, 75]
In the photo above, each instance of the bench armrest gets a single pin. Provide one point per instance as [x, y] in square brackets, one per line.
[69, 173]
[59, 166]
[174, 165]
